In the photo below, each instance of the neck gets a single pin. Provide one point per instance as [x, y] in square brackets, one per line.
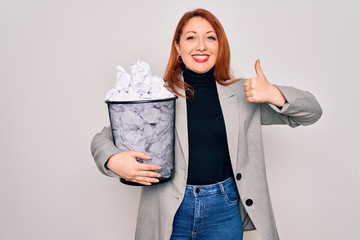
[192, 77]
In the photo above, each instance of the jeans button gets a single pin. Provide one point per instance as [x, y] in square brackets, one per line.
[197, 190]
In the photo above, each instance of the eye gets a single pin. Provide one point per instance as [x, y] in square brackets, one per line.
[189, 38]
[211, 38]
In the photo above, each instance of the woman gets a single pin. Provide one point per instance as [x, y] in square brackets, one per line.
[219, 188]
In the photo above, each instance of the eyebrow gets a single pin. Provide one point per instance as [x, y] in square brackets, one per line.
[196, 32]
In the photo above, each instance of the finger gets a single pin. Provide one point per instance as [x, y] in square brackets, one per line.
[141, 155]
[251, 99]
[249, 85]
[149, 180]
[143, 180]
[149, 174]
[148, 167]
[246, 82]
[142, 183]
[258, 69]
[146, 180]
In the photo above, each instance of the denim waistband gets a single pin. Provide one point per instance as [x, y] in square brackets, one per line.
[216, 188]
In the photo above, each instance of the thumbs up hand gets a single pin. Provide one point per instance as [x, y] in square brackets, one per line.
[259, 90]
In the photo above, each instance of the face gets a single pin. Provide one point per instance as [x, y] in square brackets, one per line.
[198, 45]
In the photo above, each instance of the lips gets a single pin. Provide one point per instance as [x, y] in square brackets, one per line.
[200, 58]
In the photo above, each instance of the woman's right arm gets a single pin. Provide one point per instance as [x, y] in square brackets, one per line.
[102, 148]
[112, 162]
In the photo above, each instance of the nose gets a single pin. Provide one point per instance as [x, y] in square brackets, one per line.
[201, 46]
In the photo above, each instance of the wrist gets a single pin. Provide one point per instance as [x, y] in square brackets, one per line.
[278, 98]
[108, 163]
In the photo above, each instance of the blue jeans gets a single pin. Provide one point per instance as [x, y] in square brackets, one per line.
[209, 212]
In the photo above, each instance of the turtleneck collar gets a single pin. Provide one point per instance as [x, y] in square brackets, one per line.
[194, 78]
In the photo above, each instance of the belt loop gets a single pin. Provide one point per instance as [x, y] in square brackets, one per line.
[221, 187]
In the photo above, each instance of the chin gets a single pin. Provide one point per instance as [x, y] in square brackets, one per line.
[200, 70]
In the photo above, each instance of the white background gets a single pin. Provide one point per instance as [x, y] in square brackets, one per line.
[57, 62]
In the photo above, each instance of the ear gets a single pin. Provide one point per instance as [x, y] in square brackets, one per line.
[177, 46]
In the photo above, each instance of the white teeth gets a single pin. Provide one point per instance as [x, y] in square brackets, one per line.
[200, 57]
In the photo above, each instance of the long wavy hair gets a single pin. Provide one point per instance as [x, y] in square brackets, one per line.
[174, 68]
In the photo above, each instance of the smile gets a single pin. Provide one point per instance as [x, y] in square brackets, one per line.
[200, 58]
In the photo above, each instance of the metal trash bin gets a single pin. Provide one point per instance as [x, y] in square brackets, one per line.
[146, 126]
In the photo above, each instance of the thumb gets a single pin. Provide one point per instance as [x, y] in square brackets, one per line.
[258, 69]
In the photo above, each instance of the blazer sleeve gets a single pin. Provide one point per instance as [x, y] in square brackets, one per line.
[301, 108]
[102, 148]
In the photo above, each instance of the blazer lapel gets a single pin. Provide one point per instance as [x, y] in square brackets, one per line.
[228, 103]
[181, 125]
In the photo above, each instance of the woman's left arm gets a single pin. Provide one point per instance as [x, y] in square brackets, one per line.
[280, 104]
[300, 108]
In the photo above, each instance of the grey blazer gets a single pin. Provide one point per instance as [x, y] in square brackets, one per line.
[243, 120]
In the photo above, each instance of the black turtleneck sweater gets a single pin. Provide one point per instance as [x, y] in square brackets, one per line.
[209, 160]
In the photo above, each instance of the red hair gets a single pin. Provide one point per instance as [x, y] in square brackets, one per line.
[174, 68]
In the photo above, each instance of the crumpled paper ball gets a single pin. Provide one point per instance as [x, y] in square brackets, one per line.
[138, 85]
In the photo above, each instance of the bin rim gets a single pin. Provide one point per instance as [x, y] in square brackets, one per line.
[141, 101]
